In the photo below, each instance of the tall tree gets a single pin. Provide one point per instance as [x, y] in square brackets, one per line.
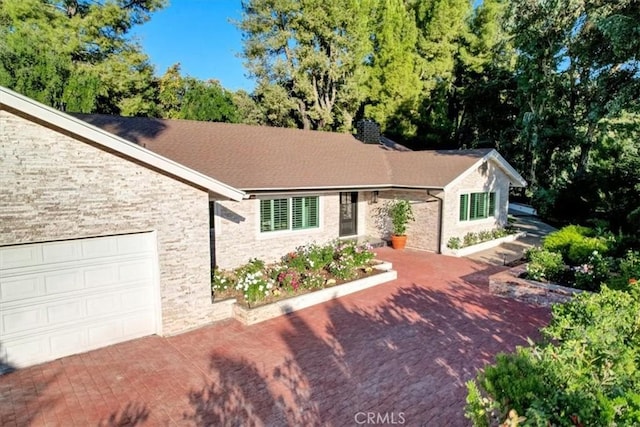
[443, 26]
[76, 54]
[394, 85]
[482, 107]
[312, 51]
[578, 71]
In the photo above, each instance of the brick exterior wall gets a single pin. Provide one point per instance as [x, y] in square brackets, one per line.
[486, 178]
[55, 187]
[422, 234]
[238, 236]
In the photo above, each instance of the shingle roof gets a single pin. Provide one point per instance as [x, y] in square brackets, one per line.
[268, 158]
[24, 106]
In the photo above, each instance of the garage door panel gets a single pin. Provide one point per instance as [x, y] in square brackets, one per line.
[65, 311]
[99, 248]
[62, 343]
[136, 324]
[134, 271]
[103, 275]
[95, 292]
[27, 351]
[22, 319]
[19, 256]
[135, 299]
[17, 288]
[103, 304]
[107, 332]
[131, 244]
[56, 252]
[62, 281]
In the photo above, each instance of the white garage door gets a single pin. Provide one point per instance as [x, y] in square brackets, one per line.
[66, 297]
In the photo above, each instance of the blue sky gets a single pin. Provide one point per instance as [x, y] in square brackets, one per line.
[198, 35]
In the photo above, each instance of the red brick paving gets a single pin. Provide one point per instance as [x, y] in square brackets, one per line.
[398, 353]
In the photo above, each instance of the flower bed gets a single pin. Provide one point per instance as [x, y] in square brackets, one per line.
[309, 268]
[580, 258]
[251, 316]
[476, 242]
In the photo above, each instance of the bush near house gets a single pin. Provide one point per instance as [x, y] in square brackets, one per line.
[585, 373]
[308, 268]
[474, 238]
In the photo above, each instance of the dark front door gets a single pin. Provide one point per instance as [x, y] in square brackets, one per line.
[348, 214]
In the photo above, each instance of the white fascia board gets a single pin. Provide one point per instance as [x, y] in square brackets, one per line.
[103, 138]
[516, 179]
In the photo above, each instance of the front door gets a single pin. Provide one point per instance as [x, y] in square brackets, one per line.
[348, 214]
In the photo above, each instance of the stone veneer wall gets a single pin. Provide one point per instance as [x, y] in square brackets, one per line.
[488, 177]
[238, 236]
[422, 233]
[54, 187]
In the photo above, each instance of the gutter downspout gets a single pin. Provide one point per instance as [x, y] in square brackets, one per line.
[440, 219]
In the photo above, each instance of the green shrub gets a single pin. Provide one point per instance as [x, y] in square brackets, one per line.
[630, 266]
[585, 373]
[454, 243]
[544, 265]
[576, 243]
[591, 275]
[581, 250]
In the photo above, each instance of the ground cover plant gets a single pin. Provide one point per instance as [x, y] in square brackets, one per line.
[583, 258]
[586, 372]
[308, 268]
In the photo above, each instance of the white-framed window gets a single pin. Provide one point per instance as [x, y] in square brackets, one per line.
[294, 213]
[475, 206]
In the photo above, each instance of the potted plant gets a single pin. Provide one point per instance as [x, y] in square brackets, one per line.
[400, 213]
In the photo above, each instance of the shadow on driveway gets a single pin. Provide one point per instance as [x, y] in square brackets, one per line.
[398, 353]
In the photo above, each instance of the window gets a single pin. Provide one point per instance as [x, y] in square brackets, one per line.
[296, 213]
[477, 206]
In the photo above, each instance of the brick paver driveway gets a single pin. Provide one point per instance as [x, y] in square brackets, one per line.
[400, 353]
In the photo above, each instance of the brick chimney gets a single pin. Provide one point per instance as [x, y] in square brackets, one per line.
[368, 131]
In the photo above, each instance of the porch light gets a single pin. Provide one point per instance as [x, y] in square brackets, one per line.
[374, 197]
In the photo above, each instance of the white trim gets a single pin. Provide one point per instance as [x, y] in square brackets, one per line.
[515, 178]
[157, 291]
[107, 140]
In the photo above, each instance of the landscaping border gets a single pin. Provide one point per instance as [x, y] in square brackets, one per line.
[249, 316]
[509, 284]
[468, 250]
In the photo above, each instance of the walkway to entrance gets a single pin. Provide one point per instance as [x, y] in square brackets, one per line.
[402, 350]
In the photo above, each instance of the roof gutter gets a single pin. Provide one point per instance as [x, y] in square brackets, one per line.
[333, 189]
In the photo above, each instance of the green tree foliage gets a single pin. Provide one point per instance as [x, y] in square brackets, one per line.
[75, 55]
[577, 71]
[192, 99]
[394, 86]
[307, 58]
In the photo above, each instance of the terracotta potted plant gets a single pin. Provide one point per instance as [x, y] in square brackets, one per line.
[400, 213]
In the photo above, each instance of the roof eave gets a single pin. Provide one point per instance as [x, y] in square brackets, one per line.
[12, 100]
[515, 179]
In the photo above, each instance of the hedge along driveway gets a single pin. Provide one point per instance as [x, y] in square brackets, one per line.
[402, 350]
